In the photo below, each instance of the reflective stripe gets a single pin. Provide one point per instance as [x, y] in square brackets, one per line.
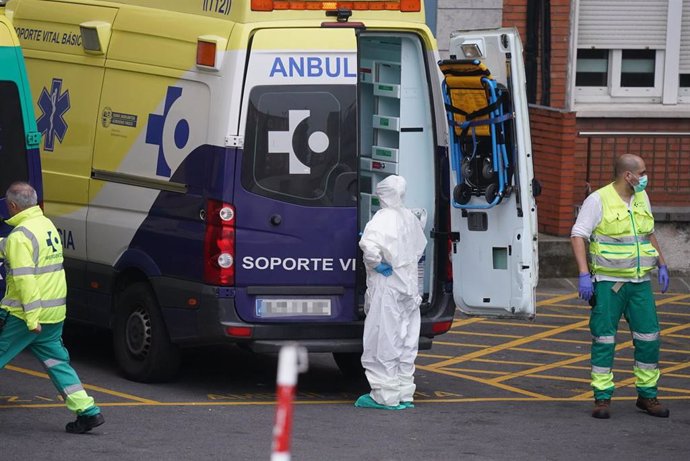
[50, 363]
[646, 366]
[72, 389]
[48, 269]
[646, 336]
[11, 302]
[628, 239]
[21, 271]
[54, 302]
[604, 339]
[624, 263]
[34, 241]
[601, 370]
[32, 305]
[35, 270]
[58, 302]
[3, 242]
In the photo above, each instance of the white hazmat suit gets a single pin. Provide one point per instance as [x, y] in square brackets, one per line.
[391, 329]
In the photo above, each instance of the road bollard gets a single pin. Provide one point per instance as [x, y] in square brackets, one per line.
[291, 361]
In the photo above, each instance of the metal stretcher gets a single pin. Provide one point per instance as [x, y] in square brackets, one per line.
[478, 110]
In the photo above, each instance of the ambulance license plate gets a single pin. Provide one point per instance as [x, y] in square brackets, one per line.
[272, 307]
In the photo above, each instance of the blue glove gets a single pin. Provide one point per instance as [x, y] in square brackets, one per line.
[384, 269]
[584, 287]
[663, 278]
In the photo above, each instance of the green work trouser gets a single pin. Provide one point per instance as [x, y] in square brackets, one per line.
[636, 302]
[47, 347]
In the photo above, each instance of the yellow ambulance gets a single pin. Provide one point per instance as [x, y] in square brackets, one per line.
[211, 163]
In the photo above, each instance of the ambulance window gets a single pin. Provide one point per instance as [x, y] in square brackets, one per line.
[12, 148]
[300, 144]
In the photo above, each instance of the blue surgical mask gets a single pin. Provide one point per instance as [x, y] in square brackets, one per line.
[641, 184]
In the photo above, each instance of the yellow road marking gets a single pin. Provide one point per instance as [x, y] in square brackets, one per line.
[563, 316]
[490, 335]
[560, 378]
[468, 321]
[508, 345]
[472, 370]
[557, 299]
[484, 381]
[433, 356]
[91, 387]
[517, 324]
[542, 351]
[339, 402]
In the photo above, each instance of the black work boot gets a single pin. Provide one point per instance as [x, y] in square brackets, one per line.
[601, 409]
[653, 407]
[84, 423]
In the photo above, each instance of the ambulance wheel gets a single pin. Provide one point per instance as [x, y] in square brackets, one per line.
[350, 364]
[140, 339]
[462, 194]
[488, 169]
[491, 192]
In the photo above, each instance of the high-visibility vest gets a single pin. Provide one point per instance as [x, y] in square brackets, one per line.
[620, 245]
[36, 290]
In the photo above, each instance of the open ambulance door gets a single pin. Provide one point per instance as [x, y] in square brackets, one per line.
[493, 208]
[19, 158]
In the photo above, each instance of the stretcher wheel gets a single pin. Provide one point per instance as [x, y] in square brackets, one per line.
[491, 192]
[466, 169]
[462, 194]
[488, 169]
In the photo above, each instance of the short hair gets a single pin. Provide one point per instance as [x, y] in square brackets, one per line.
[22, 194]
[626, 162]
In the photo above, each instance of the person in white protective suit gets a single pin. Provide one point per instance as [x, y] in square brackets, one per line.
[392, 243]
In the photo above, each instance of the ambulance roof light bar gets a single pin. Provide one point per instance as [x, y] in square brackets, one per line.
[371, 5]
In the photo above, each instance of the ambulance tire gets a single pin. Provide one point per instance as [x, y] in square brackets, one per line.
[140, 339]
[350, 364]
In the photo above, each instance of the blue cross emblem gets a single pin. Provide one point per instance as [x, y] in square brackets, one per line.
[155, 126]
[54, 106]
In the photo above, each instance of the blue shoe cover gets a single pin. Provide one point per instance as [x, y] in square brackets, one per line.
[407, 404]
[365, 401]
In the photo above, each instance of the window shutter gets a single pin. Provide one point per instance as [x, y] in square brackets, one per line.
[622, 24]
[685, 39]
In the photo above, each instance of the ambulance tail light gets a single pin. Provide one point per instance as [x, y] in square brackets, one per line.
[439, 328]
[219, 244]
[374, 5]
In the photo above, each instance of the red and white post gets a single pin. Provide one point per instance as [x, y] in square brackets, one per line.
[291, 361]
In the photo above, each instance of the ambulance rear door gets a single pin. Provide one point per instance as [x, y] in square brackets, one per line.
[494, 255]
[296, 190]
[19, 156]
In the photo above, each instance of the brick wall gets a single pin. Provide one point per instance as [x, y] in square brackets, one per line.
[667, 157]
[515, 15]
[553, 146]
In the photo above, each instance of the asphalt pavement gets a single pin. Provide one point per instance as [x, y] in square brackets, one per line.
[490, 389]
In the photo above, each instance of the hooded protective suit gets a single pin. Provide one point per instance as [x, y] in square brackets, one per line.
[391, 330]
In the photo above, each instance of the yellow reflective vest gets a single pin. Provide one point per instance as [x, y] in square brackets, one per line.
[620, 245]
[36, 289]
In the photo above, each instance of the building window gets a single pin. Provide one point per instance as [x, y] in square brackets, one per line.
[592, 68]
[632, 51]
[637, 68]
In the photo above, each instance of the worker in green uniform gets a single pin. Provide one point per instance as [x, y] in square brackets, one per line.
[618, 222]
[34, 305]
